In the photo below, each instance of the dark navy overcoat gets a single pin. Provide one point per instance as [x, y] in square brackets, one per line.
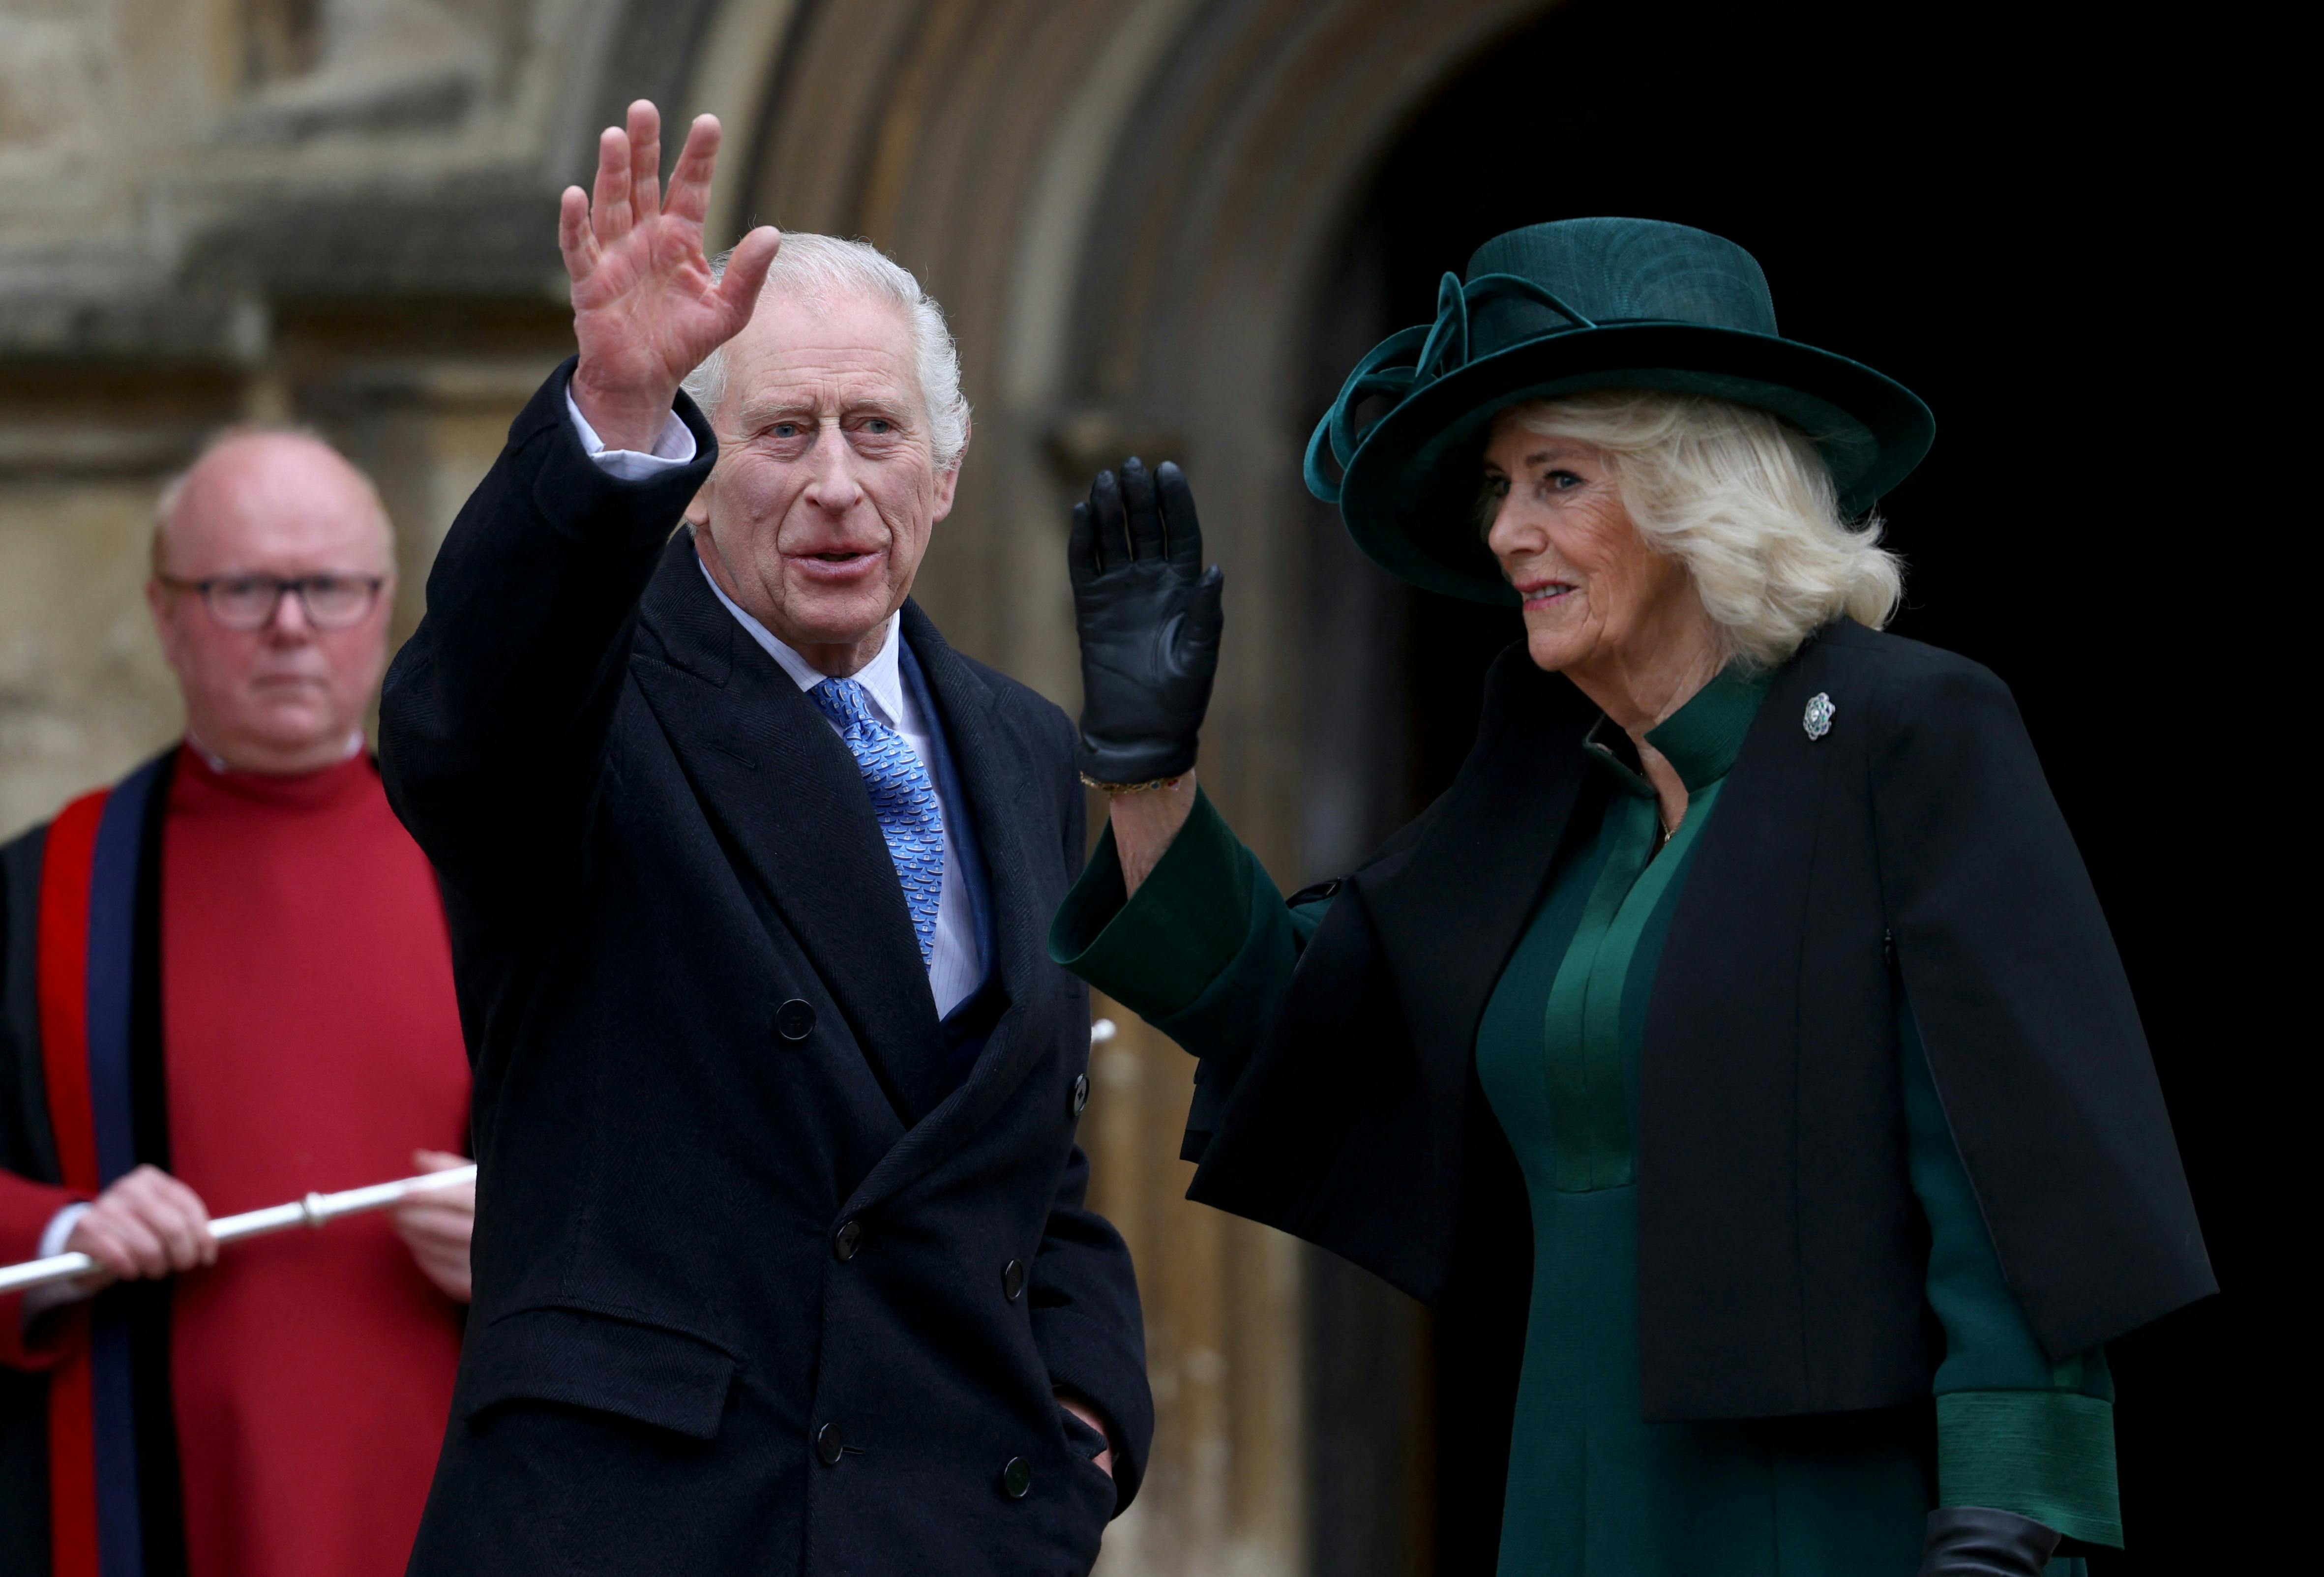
[759, 1288]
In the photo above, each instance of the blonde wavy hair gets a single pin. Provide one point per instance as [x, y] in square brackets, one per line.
[1742, 499]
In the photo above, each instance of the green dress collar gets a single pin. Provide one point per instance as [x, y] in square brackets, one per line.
[1702, 739]
[1628, 872]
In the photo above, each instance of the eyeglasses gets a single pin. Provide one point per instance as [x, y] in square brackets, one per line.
[249, 602]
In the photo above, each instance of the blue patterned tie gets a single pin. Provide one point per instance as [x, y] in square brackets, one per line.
[911, 817]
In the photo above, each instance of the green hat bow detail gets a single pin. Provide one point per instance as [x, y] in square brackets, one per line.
[1439, 348]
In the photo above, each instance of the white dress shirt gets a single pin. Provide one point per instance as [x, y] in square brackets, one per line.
[956, 962]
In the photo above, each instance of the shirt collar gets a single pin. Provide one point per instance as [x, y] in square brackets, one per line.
[1702, 739]
[218, 763]
[882, 678]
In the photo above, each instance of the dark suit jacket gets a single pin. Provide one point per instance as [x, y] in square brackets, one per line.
[1780, 1254]
[743, 1289]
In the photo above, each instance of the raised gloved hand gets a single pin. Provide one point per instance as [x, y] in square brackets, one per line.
[1148, 615]
[1975, 1541]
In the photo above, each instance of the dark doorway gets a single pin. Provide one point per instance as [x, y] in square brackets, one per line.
[1976, 215]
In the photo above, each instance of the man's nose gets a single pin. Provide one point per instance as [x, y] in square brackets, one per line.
[832, 485]
[290, 621]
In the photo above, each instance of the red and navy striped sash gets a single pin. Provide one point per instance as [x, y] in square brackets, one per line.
[85, 959]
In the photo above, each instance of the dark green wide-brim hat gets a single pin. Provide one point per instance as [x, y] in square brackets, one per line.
[1563, 307]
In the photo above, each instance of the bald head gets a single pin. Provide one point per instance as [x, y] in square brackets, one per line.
[251, 492]
[259, 510]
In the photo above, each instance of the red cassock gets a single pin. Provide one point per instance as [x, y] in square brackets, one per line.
[309, 1041]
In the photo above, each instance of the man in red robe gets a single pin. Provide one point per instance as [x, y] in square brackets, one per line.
[226, 982]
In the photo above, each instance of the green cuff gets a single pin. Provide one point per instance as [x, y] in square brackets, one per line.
[2045, 1455]
[1157, 952]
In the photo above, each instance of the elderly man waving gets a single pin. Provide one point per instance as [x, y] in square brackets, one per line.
[783, 1263]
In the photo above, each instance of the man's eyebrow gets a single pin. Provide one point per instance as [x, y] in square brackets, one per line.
[763, 410]
[770, 409]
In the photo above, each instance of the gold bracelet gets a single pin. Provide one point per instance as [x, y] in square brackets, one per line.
[1134, 788]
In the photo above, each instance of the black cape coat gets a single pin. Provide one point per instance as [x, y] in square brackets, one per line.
[757, 1288]
[1780, 1257]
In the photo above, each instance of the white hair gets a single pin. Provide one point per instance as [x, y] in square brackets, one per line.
[1744, 500]
[820, 268]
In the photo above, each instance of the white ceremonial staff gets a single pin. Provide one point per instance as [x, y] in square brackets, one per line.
[313, 1211]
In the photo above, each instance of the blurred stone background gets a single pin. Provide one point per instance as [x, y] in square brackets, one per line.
[1168, 226]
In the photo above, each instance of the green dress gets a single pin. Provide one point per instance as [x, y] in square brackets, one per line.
[1204, 951]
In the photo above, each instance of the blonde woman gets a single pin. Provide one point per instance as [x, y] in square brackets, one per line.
[1736, 1053]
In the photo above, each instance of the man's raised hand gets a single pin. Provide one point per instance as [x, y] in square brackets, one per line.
[645, 310]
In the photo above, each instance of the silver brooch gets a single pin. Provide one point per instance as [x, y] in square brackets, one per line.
[1818, 721]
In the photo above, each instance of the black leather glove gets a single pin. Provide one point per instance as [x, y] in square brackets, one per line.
[1973, 1541]
[1148, 615]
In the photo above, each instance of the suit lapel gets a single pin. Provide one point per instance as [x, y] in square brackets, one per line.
[1451, 914]
[789, 803]
[992, 765]
[991, 761]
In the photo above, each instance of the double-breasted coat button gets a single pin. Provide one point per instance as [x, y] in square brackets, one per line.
[846, 1240]
[1081, 1093]
[1012, 1280]
[794, 1020]
[827, 1444]
[1017, 1478]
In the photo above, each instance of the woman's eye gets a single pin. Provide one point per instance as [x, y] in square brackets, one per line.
[1561, 480]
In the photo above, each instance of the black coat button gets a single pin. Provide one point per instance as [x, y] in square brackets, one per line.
[1012, 1280]
[1081, 1093]
[827, 1444]
[794, 1020]
[1017, 1478]
[847, 1240]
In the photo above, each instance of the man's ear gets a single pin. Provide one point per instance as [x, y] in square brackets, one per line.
[948, 482]
[159, 603]
[697, 508]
